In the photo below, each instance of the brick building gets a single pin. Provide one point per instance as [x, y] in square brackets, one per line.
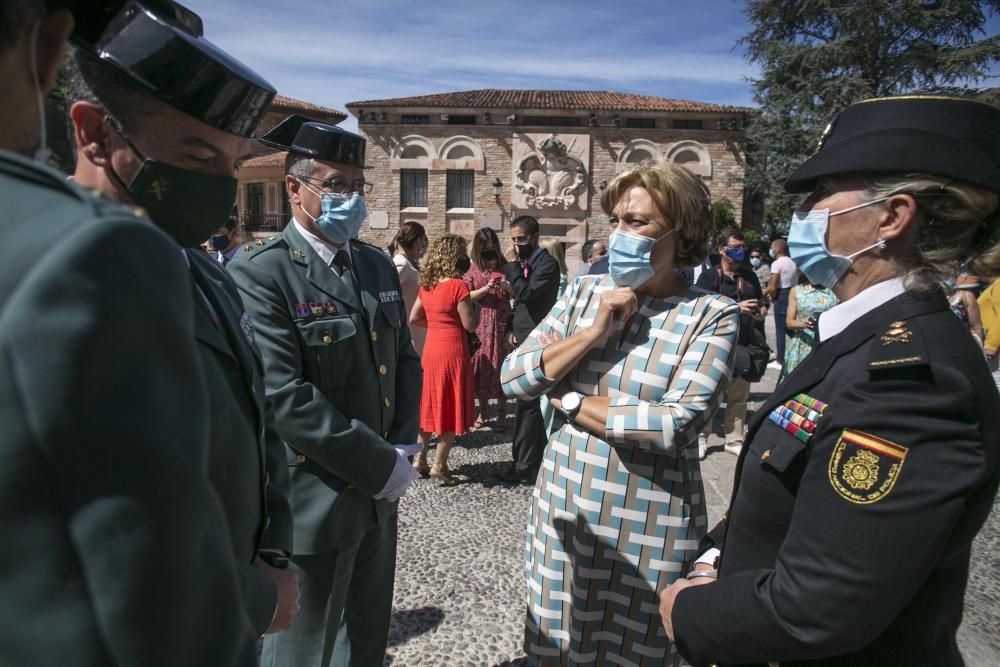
[457, 161]
[260, 198]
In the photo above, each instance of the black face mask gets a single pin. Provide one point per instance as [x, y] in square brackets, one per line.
[463, 264]
[524, 251]
[489, 255]
[219, 242]
[188, 205]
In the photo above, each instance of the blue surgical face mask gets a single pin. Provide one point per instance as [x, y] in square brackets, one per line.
[341, 217]
[736, 254]
[629, 258]
[807, 245]
[755, 262]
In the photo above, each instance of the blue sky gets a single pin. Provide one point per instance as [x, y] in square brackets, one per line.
[335, 52]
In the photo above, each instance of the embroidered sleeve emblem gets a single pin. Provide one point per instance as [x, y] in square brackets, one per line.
[863, 468]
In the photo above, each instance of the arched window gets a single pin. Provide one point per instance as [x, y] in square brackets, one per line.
[460, 152]
[412, 152]
[637, 152]
[692, 156]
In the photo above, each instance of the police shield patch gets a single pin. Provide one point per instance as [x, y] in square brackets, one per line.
[863, 469]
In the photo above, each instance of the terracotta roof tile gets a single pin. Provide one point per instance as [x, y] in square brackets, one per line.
[269, 160]
[498, 98]
[290, 105]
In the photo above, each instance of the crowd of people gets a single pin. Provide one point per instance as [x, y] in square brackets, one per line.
[204, 448]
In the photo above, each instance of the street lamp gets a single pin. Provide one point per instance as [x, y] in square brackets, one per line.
[497, 189]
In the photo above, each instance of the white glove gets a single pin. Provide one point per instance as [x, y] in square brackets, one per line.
[400, 477]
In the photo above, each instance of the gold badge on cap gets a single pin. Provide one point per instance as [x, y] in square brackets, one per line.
[826, 134]
[863, 468]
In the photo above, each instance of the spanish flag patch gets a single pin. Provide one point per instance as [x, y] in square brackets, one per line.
[863, 468]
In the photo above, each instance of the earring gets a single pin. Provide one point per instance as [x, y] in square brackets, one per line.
[880, 244]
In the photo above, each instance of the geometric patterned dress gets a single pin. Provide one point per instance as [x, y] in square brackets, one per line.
[615, 519]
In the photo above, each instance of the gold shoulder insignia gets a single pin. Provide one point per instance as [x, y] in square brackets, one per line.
[271, 238]
[897, 333]
[899, 345]
[248, 248]
[260, 243]
[863, 469]
[298, 253]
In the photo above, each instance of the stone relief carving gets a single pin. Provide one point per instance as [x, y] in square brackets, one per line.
[550, 172]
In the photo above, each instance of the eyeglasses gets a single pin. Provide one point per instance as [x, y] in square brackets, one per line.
[342, 186]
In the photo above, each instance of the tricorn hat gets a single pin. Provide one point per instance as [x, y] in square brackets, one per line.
[159, 45]
[322, 141]
[944, 136]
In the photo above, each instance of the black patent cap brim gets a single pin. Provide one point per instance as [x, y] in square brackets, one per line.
[166, 55]
[321, 141]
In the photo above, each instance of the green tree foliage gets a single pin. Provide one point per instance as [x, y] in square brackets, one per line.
[818, 56]
[722, 213]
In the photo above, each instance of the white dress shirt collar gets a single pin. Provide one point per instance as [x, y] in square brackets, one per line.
[326, 250]
[841, 316]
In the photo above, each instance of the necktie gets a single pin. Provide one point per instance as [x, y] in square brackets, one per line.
[343, 263]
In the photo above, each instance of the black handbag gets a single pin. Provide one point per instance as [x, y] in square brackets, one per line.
[751, 359]
[474, 342]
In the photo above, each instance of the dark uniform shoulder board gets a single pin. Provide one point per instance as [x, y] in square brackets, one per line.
[864, 468]
[897, 346]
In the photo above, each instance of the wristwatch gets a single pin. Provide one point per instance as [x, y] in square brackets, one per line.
[570, 403]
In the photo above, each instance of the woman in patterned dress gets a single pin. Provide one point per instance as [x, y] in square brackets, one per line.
[805, 303]
[635, 363]
[491, 291]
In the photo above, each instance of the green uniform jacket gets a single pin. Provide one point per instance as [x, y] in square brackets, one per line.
[341, 374]
[115, 548]
[246, 457]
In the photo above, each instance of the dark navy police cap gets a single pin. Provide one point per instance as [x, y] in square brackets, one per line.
[943, 136]
[321, 141]
[159, 45]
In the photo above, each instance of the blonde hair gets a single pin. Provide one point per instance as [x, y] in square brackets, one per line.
[957, 227]
[555, 248]
[439, 262]
[681, 198]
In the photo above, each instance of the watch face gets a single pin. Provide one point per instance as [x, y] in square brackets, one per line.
[571, 401]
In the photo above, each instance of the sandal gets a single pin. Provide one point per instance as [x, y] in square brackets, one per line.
[440, 472]
[420, 463]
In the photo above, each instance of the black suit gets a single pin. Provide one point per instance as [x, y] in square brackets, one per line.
[534, 297]
[835, 553]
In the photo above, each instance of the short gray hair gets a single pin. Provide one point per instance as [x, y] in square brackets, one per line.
[957, 227]
[300, 166]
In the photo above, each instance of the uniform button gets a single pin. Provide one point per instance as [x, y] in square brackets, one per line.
[327, 340]
[382, 369]
[387, 402]
[386, 435]
[301, 459]
[374, 335]
[765, 455]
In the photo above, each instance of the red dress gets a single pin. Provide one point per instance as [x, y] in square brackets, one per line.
[446, 399]
[492, 322]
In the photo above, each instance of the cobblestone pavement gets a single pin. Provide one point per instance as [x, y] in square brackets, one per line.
[460, 581]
